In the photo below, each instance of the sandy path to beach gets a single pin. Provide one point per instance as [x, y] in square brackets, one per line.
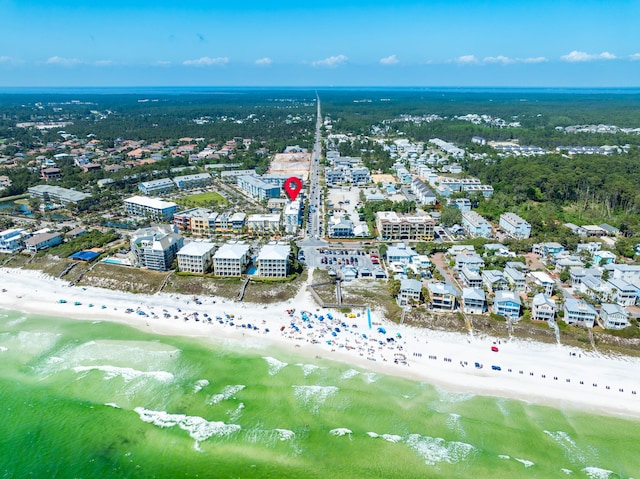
[541, 373]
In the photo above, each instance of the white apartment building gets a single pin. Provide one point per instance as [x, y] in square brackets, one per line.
[263, 222]
[231, 259]
[394, 226]
[292, 213]
[273, 260]
[515, 226]
[475, 225]
[196, 257]
[155, 209]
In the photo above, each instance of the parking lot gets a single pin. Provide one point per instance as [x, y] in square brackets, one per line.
[337, 258]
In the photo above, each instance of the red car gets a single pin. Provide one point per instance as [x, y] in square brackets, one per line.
[494, 349]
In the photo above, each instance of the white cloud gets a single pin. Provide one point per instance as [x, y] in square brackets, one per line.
[390, 60]
[634, 57]
[467, 60]
[9, 60]
[266, 61]
[104, 63]
[576, 56]
[63, 61]
[509, 61]
[330, 62]
[207, 61]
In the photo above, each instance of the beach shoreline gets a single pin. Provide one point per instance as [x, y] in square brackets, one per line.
[549, 375]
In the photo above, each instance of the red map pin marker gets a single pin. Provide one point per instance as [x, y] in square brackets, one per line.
[293, 186]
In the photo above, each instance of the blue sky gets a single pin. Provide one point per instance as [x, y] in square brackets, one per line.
[331, 43]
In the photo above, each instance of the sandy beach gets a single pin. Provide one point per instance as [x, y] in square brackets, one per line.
[553, 375]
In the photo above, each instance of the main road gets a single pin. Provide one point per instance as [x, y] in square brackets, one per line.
[313, 231]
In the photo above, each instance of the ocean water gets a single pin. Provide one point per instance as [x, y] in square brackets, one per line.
[83, 399]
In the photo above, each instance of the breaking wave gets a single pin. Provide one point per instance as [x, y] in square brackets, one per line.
[274, 365]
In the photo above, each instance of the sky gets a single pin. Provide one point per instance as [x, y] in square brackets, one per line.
[490, 43]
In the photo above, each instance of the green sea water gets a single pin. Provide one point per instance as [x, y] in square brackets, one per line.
[101, 400]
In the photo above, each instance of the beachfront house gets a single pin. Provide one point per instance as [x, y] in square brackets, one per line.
[410, 290]
[443, 296]
[196, 257]
[273, 260]
[622, 292]
[543, 308]
[494, 280]
[12, 240]
[473, 301]
[507, 304]
[39, 242]
[614, 316]
[155, 247]
[578, 312]
[231, 259]
[542, 280]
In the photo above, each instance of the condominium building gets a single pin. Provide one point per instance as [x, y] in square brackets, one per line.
[196, 257]
[515, 226]
[155, 247]
[273, 260]
[192, 181]
[258, 188]
[475, 225]
[157, 187]
[231, 259]
[263, 222]
[424, 194]
[292, 215]
[155, 209]
[394, 226]
[57, 194]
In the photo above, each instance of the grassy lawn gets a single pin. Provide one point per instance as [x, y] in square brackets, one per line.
[202, 200]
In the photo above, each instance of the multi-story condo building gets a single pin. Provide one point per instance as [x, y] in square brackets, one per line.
[157, 187]
[543, 308]
[196, 257]
[57, 194]
[155, 247]
[475, 225]
[292, 215]
[192, 181]
[394, 226]
[155, 209]
[231, 259]
[263, 222]
[577, 312]
[425, 195]
[203, 225]
[515, 226]
[273, 260]
[258, 188]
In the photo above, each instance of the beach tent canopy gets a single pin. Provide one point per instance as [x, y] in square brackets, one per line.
[85, 255]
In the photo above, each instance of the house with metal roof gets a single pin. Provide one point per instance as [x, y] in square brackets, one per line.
[543, 308]
[507, 304]
[474, 301]
[578, 312]
[614, 316]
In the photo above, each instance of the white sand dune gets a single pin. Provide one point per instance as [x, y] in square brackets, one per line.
[530, 371]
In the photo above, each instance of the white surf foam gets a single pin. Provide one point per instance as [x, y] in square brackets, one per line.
[453, 397]
[312, 397]
[597, 472]
[112, 404]
[349, 373]
[567, 471]
[198, 428]
[274, 365]
[2, 348]
[387, 437]
[202, 383]
[572, 451]
[307, 369]
[371, 377]
[285, 434]
[435, 449]
[525, 462]
[341, 431]
[128, 374]
[227, 393]
[453, 423]
[235, 414]
[504, 456]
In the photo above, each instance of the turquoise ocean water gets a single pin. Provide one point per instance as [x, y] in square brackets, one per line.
[101, 400]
